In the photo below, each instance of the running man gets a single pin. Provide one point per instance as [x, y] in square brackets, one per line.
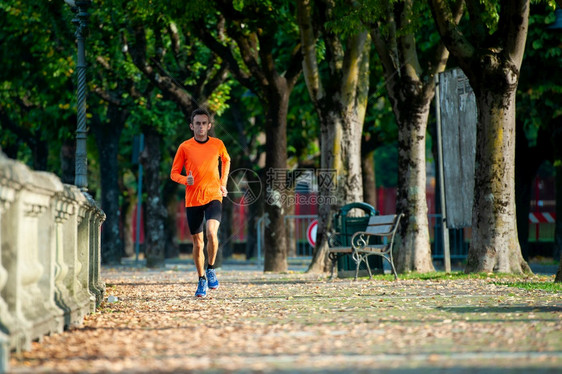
[204, 191]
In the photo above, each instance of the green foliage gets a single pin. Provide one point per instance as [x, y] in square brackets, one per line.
[302, 125]
[386, 161]
[365, 13]
[379, 119]
[490, 14]
[36, 91]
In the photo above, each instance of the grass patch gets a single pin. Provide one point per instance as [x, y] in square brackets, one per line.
[441, 275]
[546, 286]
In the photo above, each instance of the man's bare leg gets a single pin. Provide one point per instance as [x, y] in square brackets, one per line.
[212, 249]
[212, 240]
[198, 255]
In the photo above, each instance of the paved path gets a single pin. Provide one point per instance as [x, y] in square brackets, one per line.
[297, 322]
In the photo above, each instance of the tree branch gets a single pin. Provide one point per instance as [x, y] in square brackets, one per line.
[107, 96]
[212, 83]
[295, 66]
[514, 25]
[441, 55]
[334, 49]
[352, 64]
[452, 37]
[387, 48]
[478, 26]
[165, 83]
[407, 42]
[223, 52]
[310, 63]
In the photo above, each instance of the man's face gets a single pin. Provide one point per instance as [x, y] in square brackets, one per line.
[200, 126]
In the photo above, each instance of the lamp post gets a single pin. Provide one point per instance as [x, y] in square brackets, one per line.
[80, 9]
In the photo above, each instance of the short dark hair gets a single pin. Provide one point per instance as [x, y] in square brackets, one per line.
[200, 111]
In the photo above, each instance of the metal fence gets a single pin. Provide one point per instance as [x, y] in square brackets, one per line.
[459, 239]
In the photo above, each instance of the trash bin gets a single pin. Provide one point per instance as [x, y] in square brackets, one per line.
[346, 226]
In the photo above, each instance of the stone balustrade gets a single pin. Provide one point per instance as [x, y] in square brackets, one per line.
[49, 256]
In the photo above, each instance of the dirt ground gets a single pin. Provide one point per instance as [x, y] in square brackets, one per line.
[296, 322]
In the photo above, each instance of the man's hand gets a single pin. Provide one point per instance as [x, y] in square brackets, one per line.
[190, 180]
[224, 191]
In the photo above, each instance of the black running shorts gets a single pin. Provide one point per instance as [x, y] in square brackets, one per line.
[195, 215]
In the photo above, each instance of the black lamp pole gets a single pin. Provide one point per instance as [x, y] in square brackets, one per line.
[80, 9]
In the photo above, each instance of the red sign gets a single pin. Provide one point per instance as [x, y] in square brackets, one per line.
[311, 232]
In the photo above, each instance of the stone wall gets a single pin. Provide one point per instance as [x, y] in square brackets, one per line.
[49, 256]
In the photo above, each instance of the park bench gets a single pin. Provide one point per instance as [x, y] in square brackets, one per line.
[361, 246]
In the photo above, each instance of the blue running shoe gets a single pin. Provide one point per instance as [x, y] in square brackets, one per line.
[201, 288]
[212, 278]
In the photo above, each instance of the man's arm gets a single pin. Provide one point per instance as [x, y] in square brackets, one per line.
[225, 159]
[177, 167]
[225, 171]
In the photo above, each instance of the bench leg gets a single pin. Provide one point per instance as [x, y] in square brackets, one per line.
[366, 259]
[334, 259]
[358, 258]
[389, 259]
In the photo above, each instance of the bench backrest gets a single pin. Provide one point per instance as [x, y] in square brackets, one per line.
[382, 224]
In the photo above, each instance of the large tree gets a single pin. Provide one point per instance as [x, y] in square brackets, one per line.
[338, 85]
[183, 72]
[490, 53]
[114, 85]
[266, 59]
[409, 72]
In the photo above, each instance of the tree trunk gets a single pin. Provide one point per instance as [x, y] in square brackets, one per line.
[330, 135]
[410, 88]
[254, 66]
[155, 235]
[412, 247]
[339, 179]
[341, 108]
[172, 249]
[369, 181]
[494, 246]
[290, 226]
[493, 73]
[275, 243]
[107, 135]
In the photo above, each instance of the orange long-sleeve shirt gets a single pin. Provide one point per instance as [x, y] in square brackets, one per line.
[202, 160]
